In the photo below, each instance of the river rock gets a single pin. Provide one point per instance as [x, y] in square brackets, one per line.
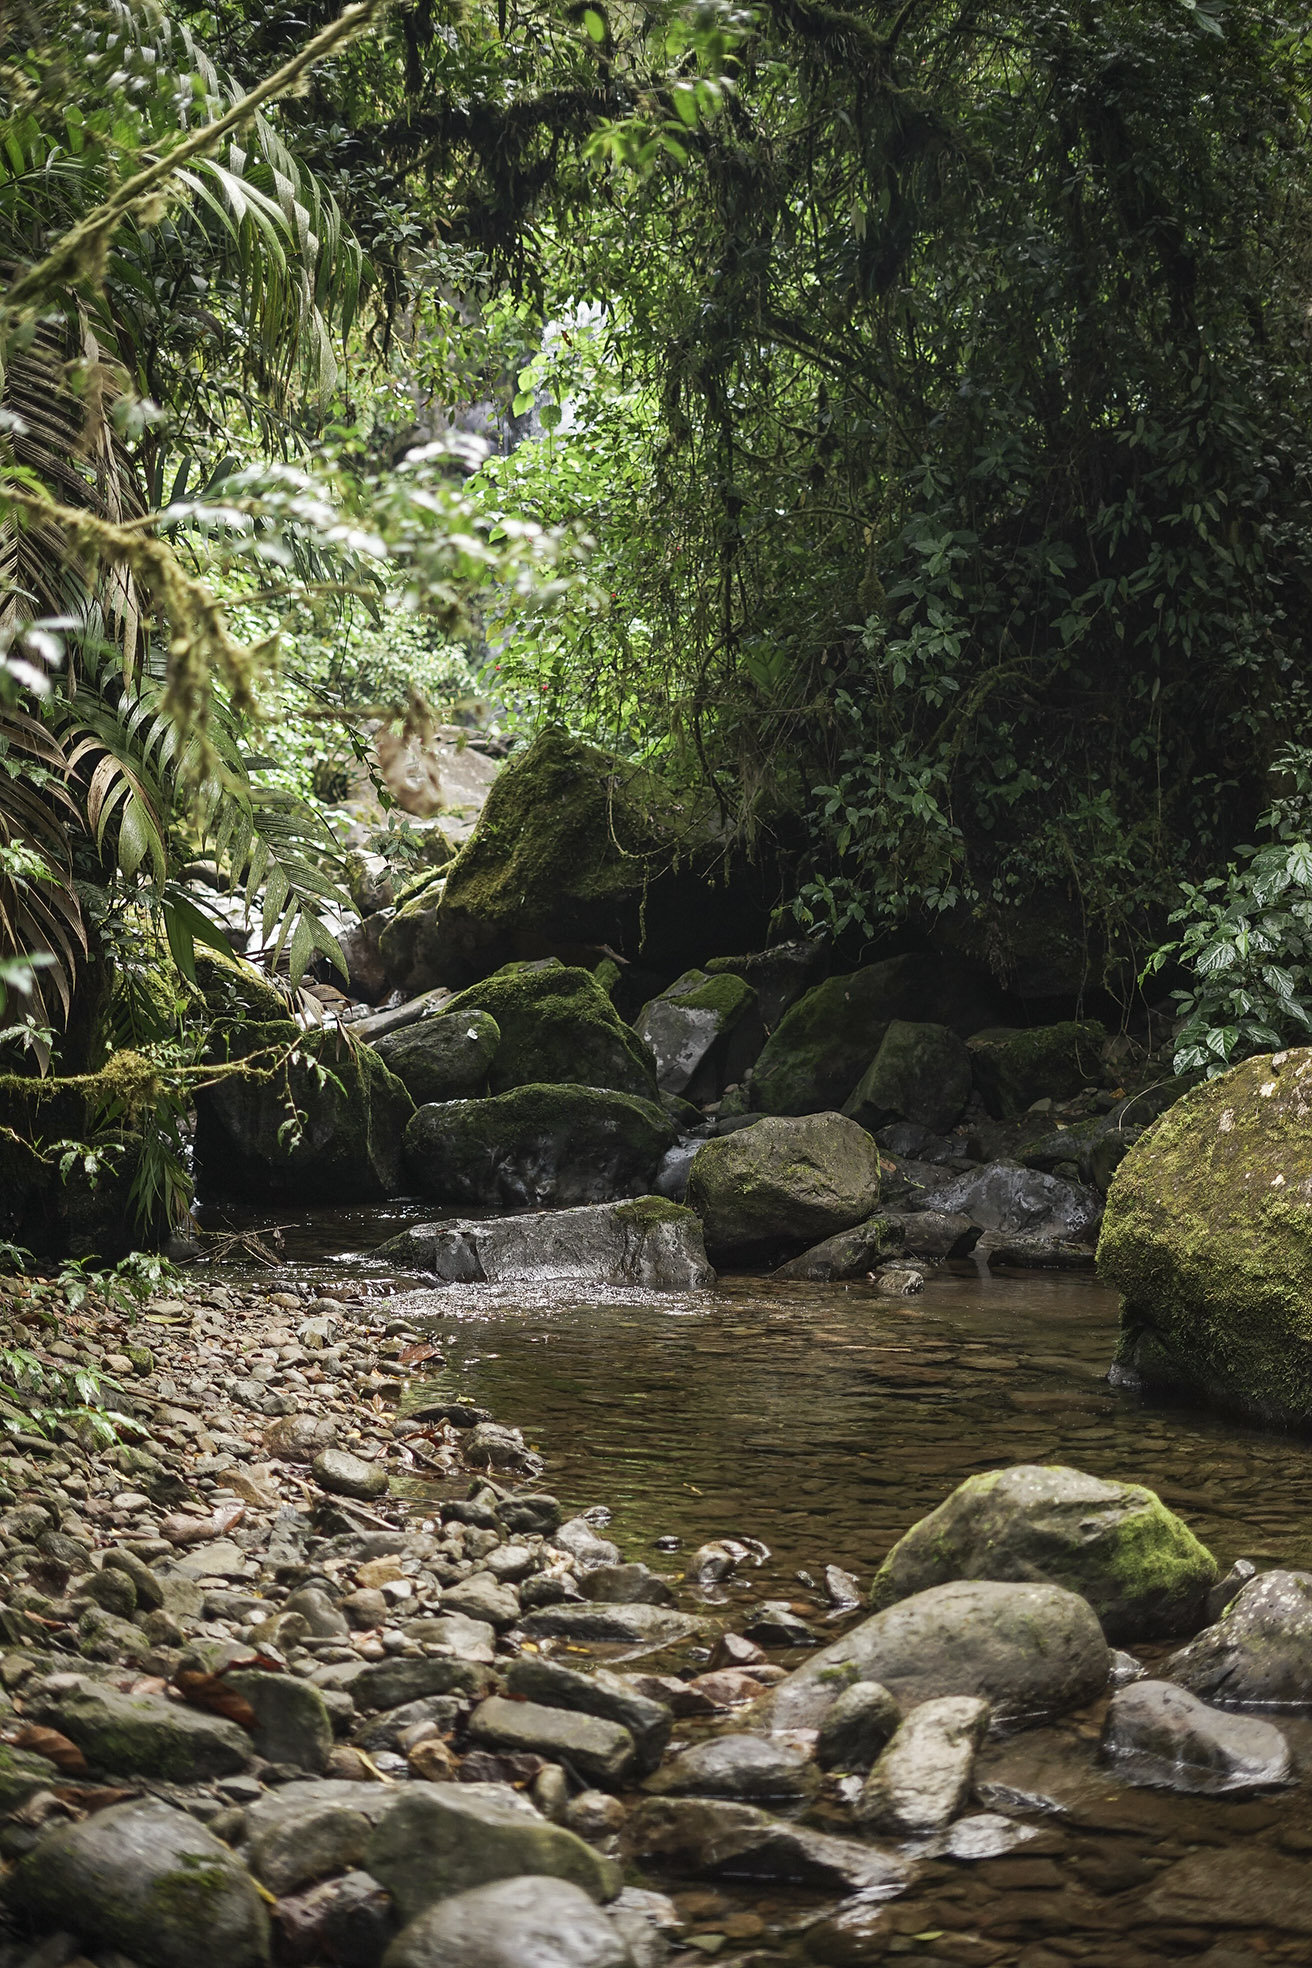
[1259, 1653]
[292, 1723]
[753, 1768]
[150, 1881]
[22, 1774]
[1141, 1569]
[558, 1027]
[1207, 1243]
[707, 1837]
[1244, 1885]
[1013, 1068]
[1022, 1203]
[348, 1149]
[139, 1735]
[602, 1693]
[784, 1181]
[779, 975]
[1158, 1733]
[513, 1923]
[856, 1726]
[577, 1537]
[851, 1254]
[600, 1750]
[648, 1242]
[389, 1683]
[347, 1475]
[921, 1073]
[639, 1625]
[625, 1585]
[303, 1831]
[1033, 1651]
[447, 1057]
[537, 1147]
[703, 1032]
[440, 1839]
[346, 1920]
[922, 1779]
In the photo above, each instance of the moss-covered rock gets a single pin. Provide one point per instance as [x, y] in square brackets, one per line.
[407, 941]
[783, 1183]
[1014, 1068]
[558, 1028]
[704, 1031]
[126, 1735]
[341, 1145]
[537, 1147]
[1208, 1239]
[824, 1043]
[234, 990]
[779, 976]
[921, 1073]
[577, 853]
[1139, 1566]
[443, 1058]
[148, 1880]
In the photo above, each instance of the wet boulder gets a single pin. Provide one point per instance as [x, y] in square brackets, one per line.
[1032, 1651]
[537, 1147]
[851, 1254]
[1137, 1564]
[603, 1693]
[557, 1026]
[444, 1058]
[600, 1750]
[1014, 1068]
[753, 1768]
[922, 1778]
[149, 1881]
[711, 1838]
[647, 1242]
[824, 1043]
[342, 1146]
[703, 1032]
[1259, 1653]
[513, 1923]
[1021, 1202]
[779, 976]
[1207, 1240]
[127, 1735]
[921, 1073]
[1161, 1735]
[784, 1181]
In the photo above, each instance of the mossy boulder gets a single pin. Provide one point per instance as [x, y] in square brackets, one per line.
[1208, 1239]
[704, 1031]
[577, 854]
[235, 991]
[125, 1735]
[921, 1073]
[1139, 1566]
[443, 1058]
[1014, 1068]
[342, 1146]
[407, 941]
[822, 1046]
[558, 1028]
[783, 1183]
[537, 1147]
[779, 976]
[145, 1879]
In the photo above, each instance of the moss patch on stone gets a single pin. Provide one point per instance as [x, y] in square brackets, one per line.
[537, 1146]
[1013, 1068]
[558, 1027]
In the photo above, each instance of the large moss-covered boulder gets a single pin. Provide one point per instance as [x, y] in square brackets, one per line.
[577, 854]
[779, 975]
[703, 1032]
[342, 1143]
[443, 1058]
[537, 1147]
[1014, 1068]
[822, 1045]
[558, 1028]
[1208, 1239]
[783, 1182]
[921, 1073]
[1139, 1566]
[235, 990]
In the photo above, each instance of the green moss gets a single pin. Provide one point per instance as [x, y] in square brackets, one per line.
[1014, 1068]
[232, 988]
[727, 995]
[646, 1212]
[537, 1146]
[558, 1026]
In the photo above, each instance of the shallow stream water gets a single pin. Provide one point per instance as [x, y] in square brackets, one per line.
[823, 1421]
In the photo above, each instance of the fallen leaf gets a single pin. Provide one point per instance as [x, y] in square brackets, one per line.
[57, 1749]
[212, 1692]
[414, 1356]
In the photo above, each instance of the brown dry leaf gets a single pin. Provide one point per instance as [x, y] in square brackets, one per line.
[95, 1797]
[180, 1529]
[57, 1749]
[226, 1515]
[409, 771]
[212, 1692]
[414, 1356]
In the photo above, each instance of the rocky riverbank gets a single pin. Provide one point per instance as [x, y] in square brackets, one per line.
[307, 1670]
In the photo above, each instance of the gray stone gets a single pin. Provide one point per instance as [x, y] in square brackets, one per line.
[985, 1835]
[440, 1839]
[530, 1513]
[753, 1768]
[921, 1073]
[322, 1619]
[292, 1725]
[596, 1816]
[435, 1713]
[601, 1751]
[577, 1537]
[708, 1838]
[481, 1597]
[774, 1624]
[1140, 1567]
[299, 1437]
[512, 1923]
[625, 1585]
[1157, 1733]
[347, 1475]
[388, 1683]
[140, 1735]
[537, 1147]
[455, 1633]
[851, 1254]
[347, 1921]
[1259, 1653]
[148, 1585]
[648, 1241]
[856, 1727]
[690, 1029]
[22, 1774]
[1033, 1651]
[1227, 1589]
[640, 1625]
[303, 1831]
[602, 1693]
[1023, 1203]
[922, 1779]
[151, 1881]
[784, 1181]
[442, 1058]
[491, 1445]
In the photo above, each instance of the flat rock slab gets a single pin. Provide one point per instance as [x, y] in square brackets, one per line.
[647, 1242]
[752, 1768]
[126, 1735]
[710, 1839]
[638, 1625]
[1159, 1734]
[599, 1750]
[610, 1696]
[1242, 1886]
